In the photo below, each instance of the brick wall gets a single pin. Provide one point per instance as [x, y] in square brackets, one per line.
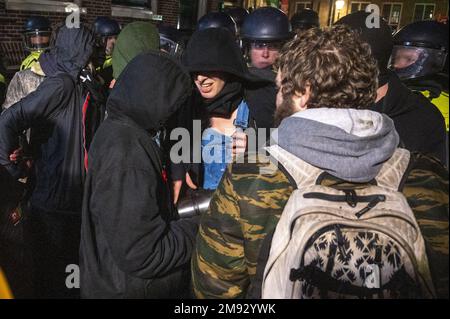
[11, 25]
[169, 10]
[12, 21]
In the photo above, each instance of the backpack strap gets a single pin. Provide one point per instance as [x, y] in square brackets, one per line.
[392, 172]
[302, 173]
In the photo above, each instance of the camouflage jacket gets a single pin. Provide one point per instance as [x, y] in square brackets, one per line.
[23, 83]
[247, 206]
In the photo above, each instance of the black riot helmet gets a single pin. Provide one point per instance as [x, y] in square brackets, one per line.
[238, 14]
[170, 40]
[304, 20]
[267, 24]
[106, 27]
[217, 20]
[420, 49]
[37, 33]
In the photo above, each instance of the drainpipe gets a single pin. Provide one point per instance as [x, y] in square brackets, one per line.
[154, 5]
[202, 8]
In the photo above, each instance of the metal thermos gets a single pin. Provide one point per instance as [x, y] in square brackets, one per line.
[195, 203]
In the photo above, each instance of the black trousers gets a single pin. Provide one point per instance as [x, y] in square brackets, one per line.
[54, 238]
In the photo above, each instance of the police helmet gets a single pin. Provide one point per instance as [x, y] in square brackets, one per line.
[37, 33]
[171, 40]
[267, 24]
[420, 49]
[106, 27]
[304, 20]
[217, 20]
[238, 14]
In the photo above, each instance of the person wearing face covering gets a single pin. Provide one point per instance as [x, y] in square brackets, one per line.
[221, 84]
[133, 244]
[420, 125]
[57, 113]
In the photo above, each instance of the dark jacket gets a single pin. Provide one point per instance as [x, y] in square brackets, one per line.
[132, 245]
[418, 122]
[216, 50]
[262, 98]
[54, 112]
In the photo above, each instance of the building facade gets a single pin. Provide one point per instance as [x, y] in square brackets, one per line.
[13, 14]
[185, 13]
[397, 12]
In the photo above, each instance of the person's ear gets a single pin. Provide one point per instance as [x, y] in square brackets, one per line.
[300, 100]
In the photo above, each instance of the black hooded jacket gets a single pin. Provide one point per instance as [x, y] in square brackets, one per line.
[215, 50]
[132, 244]
[418, 122]
[54, 112]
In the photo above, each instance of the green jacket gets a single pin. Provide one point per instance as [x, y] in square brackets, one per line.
[247, 206]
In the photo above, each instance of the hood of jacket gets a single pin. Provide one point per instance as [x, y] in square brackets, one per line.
[349, 144]
[215, 50]
[71, 52]
[151, 88]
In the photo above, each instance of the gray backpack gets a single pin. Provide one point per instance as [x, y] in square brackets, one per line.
[351, 243]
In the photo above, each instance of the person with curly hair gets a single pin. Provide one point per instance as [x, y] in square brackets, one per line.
[327, 82]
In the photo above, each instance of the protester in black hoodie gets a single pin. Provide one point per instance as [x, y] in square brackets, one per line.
[56, 113]
[132, 243]
[222, 82]
[420, 125]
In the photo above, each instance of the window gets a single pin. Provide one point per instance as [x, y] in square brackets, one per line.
[357, 6]
[134, 3]
[392, 13]
[187, 18]
[423, 11]
[303, 5]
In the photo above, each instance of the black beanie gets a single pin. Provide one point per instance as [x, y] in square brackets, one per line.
[380, 39]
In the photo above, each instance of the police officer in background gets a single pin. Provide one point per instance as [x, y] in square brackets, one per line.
[420, 59]
[106, 31]
[37, 35]
[171, 40]
[264, 32]
[304, 19]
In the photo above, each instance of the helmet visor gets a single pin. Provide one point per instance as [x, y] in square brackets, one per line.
[170, 46]
[412, 62]
[37, 40]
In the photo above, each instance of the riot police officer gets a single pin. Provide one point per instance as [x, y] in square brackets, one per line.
[264, 32]
[419, 58]
[37, 35]
[217, 20]
[106, 31]
[304, 20]
[171, 40]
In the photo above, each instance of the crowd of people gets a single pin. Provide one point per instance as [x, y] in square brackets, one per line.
[346, 196]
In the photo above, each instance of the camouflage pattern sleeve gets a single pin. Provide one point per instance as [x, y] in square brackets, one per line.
[22, 84]
[245, 207]
[14, 91]
[426, 190]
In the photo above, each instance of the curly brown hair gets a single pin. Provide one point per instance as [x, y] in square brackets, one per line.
[334, 63]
